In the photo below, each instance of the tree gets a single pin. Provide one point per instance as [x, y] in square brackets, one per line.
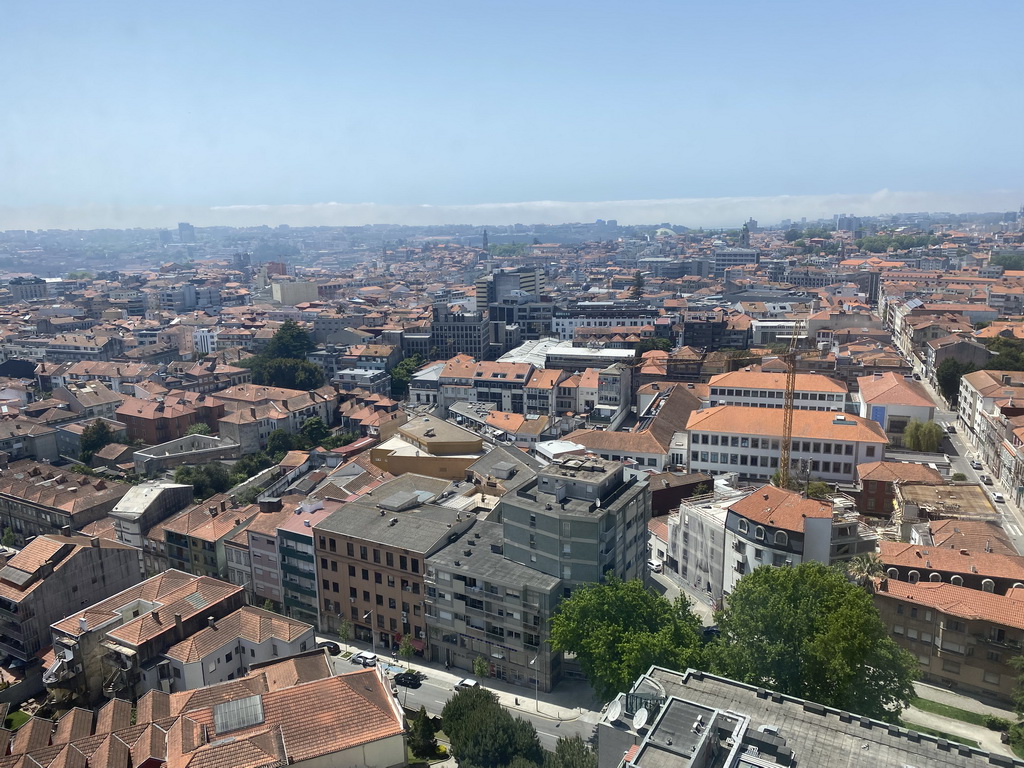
[198, 429]
[406, 649]
[808, 632]
[344, 630]
[280, 442]
[9, 539]
[1017, 662]
[481, 668]
[315, 431]
[572, 753]
[638, 284]
[923, 436]
[958, 477]
[948, 376]
[618, 629]
[94, 437]
[485, 735]
[421, 736]
[402, 373]
[289, 341]
[816, 489]
[861, 569]
[248, 466]
[206, 480]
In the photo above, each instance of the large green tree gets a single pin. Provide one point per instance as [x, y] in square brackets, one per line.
[402, 373]
[485, 735]
[206, 479]
[948, 376]
[94, 437]
[808, 632]
[283, 363]
[923, 436]
[572, 752]
[618, 629]
[315, 431]
[289, 341]
[421, 735]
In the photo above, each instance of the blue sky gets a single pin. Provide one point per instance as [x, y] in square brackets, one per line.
[131, 106]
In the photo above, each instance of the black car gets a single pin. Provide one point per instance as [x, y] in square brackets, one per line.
[332, 648]
[408, 679]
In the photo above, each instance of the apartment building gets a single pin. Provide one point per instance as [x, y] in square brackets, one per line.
[962, 639]
[877, 481]
[255, 411]
[52, 577]
[600, 314]
[894, 401]
[453, 332]
[195, 538]
[977, 569]
[980, 392]
[480, 604]
[577, 520]
[114, 648]
[500, 384]
[767, 389]
[297, 549]
[226, 649]
[156, 421]
[826, 446]
[371, 558]
[38, 499]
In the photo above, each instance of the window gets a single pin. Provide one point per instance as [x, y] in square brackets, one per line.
[377, 579]
[781, 539]
[987, 585]
[743, 526]
[869, 451]
[376, 556]
[403, 562]
[365, 574]
[349, 549]
[759, 533]
[951, 666]
[913, 577]
[934, 577]
[389, 558]
[363, 553]
[352, 571]
[897, 629]
[992, 678]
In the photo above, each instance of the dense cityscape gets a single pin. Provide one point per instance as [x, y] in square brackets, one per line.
[503, 480]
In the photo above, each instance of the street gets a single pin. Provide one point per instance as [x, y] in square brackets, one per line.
[559, 712]
[960, 453]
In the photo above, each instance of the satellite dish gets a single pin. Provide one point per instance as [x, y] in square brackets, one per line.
[640, 719]
[614, 710]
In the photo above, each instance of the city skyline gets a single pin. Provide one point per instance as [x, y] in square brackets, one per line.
[334, 113]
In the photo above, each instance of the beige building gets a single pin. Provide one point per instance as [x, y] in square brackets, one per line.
[429, 446]
[962, 638]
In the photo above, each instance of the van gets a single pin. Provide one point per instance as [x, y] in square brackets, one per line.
[655, 566]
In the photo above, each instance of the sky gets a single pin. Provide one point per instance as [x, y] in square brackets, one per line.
[493, 111]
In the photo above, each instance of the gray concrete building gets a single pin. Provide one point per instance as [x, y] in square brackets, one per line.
[578, 520]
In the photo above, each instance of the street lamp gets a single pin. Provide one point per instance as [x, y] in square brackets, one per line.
[373, 633]
[536, 682]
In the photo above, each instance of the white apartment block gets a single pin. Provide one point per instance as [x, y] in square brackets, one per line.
[767, 389]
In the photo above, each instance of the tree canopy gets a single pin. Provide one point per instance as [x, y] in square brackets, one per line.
[283, 363]
[206, 480]
[883, 242]
[198, 429]
[923, 436]
[948, 376]
[1010, 261]
[484, 734]
[618, 629]
[402, 373]
[646, 345]
[94, 437]
[808, 632]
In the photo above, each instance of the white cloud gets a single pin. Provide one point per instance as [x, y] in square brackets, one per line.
[692, 212]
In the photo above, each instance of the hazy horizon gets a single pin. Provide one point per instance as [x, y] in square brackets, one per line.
[693, 213]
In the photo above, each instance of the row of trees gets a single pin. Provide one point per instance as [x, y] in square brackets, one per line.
[805, 631]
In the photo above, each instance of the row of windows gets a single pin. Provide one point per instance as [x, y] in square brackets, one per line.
[404, 562]
[987, 585]
[764, 443]
[781, 537]
[777, 394]
[743, 460]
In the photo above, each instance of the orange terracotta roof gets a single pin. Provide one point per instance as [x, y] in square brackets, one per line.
[962, 602]
[780, 508]
[897, 471]
[889, 389]
[978, 563]
[822, 425]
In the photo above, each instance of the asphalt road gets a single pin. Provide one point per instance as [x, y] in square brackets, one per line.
[960, 453]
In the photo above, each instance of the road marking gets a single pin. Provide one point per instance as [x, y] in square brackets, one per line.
[1013, 529]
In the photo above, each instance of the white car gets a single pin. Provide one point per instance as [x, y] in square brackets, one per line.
[998, 498]
[655, 566]
[466, 682]
[365, 658]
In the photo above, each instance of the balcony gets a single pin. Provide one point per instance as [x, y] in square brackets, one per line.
[296, 571]
[1004, 643]
[291, 586]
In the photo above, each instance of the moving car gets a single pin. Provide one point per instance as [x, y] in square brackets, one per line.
[332, 647]
[975, 464]
[365, 658]
[655, 566]
[466, 682]
[998, 498]
[409, 679]
[986, 479]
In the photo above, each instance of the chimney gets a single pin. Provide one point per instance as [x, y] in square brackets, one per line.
[179, 628]
[213, 510]
[65, 530]
[94, 541]
[1006, 379]
[211, 622]
[223, 504]
[156, 616]
[252, 412]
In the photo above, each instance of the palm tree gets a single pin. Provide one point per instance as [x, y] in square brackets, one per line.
[862, 569]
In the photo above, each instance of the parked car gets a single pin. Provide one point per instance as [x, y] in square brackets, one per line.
[998, 498]
[655, 566]
[951, 429]
[975, 464]
[332, 647]
[365, 658]
[466, 682]
[986, 479]
[409, 679]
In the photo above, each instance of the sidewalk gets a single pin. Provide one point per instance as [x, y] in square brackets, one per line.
[571, 699]
[962, 701]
